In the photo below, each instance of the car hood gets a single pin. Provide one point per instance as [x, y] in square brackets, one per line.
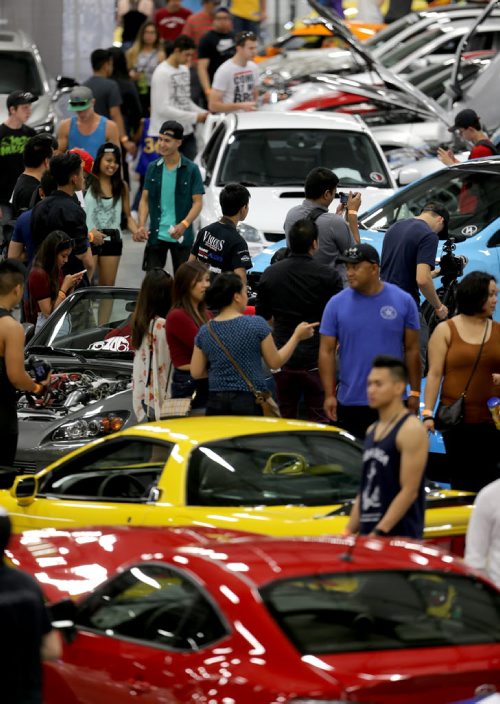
[269, 206]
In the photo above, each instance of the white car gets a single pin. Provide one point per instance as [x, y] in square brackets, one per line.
[272, 153]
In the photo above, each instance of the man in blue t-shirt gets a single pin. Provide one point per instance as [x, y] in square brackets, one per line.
[409, 254]
[367, 319]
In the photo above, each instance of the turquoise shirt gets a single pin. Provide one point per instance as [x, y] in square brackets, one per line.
[167, 203]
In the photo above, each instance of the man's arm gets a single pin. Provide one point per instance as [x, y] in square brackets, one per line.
[142, 234]
[51, 648]
[426, 287]
[328, 373]
[204, 78]
[241, 271]
[414, 365]
[63, 136]
[188, 219]
[412, 442]
[215, 103]
[14, 356]
[16, 251]
[87, 260]
[112, 134]
[353, 523]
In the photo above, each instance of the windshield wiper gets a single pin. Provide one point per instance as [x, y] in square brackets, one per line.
[45, 349]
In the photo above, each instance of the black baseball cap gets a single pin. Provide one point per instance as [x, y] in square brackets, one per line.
[20, 97]
[464, 119]
[360, 253]
[445, 214]
[173, 129]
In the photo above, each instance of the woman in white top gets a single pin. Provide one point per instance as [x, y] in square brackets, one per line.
[142, 58]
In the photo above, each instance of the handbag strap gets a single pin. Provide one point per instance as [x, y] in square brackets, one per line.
[464, 393]
[228, 354]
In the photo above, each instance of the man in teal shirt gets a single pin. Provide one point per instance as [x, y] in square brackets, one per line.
[172, 197]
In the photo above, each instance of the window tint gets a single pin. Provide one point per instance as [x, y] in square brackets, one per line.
[471, 197]
[18, 71]
[156, 604]
[335, 613]
[285, 157]
[305, 468]
[126, 469]
[88, 320]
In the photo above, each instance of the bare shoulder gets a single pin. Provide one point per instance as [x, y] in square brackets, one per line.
[412, 433]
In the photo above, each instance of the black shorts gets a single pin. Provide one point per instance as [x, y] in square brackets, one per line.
[110, 248]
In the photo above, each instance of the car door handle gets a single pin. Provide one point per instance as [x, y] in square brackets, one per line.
[139, 687]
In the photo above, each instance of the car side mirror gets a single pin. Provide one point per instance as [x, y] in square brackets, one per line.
[65, 82]
[63, 617]
[7, 477]
[407, 175]
[24, 489]
[494, 240]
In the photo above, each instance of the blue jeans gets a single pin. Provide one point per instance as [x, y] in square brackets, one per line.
[232, 403]
[184, 386]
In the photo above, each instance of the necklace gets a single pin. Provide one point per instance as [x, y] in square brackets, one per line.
[387, 427]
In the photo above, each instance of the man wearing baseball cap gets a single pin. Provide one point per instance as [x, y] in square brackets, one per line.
[468, 125]
[172, 197]
[14, 134]
[86, 129]
[367, 319]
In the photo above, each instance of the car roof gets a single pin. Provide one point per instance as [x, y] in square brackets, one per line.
[200, 429]
[14, 40]
[296, 120]
[74, 562]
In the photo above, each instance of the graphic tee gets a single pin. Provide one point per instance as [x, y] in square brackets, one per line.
[236, 82]
[221, 246]
[217, 48]
[12, 143]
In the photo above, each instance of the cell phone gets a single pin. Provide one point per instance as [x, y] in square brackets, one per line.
[83, 271]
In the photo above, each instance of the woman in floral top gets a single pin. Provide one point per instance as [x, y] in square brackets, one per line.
[152, 358]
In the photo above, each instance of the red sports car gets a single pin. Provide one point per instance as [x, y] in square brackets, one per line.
[203, 616]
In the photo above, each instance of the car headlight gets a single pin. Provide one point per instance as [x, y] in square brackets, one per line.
[250, 233]
[92, 427]
[47, 125]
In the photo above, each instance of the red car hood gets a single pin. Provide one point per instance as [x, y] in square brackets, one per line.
[418, 676]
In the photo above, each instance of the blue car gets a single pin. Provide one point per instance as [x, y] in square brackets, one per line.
[471, 193]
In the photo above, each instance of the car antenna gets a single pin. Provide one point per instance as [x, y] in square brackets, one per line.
[347, 555]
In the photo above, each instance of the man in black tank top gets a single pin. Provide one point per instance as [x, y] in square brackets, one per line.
[391, 500]
[12, 373]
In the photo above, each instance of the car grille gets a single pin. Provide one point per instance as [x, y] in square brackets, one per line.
[26, 466]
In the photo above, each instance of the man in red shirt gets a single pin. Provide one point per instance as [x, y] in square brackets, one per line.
[201, 22]
[171, 19]
[468, 125]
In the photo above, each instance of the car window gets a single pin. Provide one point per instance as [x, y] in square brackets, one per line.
[335, 613]
[18, 71]
[303, 468]
[211, 152]
[284, 157]
[156, 604]
[471, 197]
[91, 321]
[125, 469]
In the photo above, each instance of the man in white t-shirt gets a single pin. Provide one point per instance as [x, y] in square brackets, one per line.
[171, 95]
[236, 82]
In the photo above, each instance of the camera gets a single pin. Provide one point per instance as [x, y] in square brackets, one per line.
[452, 267]
[343, 197]
[40, 368]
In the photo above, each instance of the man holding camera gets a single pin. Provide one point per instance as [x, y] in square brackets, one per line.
[334, 234]
[12, 372]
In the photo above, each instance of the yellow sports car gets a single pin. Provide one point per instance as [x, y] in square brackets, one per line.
[265, 475]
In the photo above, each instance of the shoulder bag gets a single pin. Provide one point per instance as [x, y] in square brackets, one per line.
[175, 407]
[451, 416]
[264, 399]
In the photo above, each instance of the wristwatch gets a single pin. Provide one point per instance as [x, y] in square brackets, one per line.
[380, 532]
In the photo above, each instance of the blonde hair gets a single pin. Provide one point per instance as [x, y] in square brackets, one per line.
[136, 48]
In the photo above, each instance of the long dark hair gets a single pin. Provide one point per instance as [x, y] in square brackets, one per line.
[154, 300]
[46, 258]
[116, 179]
[186, 276]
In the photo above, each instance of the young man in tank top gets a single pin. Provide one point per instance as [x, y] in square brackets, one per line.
[86, 129]
[391, 500]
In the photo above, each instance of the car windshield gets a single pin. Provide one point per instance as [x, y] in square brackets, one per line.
[359, 611]
[284, 157]
[18, 71]
[470, 195]
[94, 319]
[301, 468]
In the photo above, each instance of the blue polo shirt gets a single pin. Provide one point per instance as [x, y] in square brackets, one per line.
[406, 244]
[366, 326]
